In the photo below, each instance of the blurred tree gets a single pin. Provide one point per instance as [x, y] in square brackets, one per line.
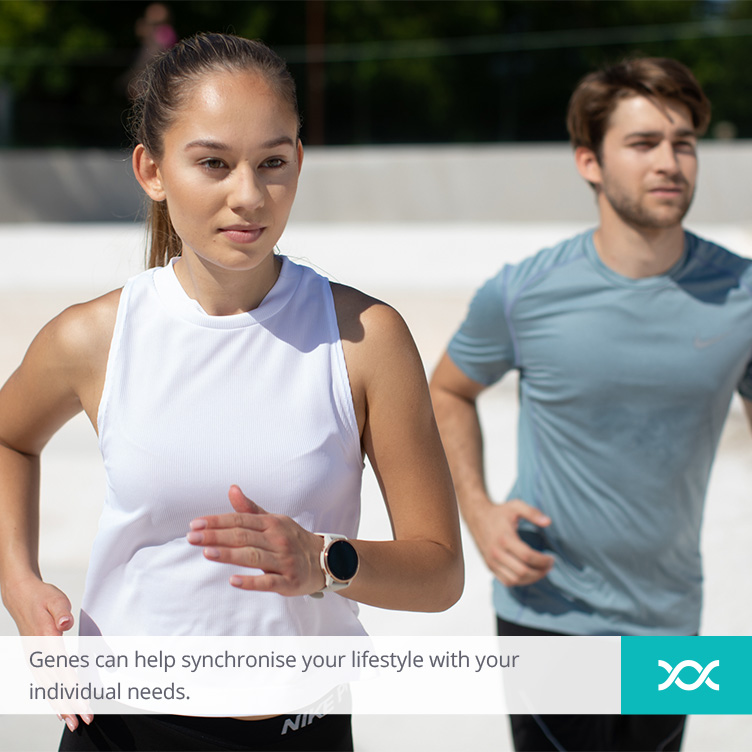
[406, 71]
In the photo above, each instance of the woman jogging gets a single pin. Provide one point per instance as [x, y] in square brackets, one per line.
[234, 394]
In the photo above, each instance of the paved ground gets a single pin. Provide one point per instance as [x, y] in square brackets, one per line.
[428, 273]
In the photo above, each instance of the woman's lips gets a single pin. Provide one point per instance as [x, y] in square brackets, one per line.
[242, 233]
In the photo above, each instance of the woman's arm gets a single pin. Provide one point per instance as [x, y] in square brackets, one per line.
[422, 568]
[60, 375]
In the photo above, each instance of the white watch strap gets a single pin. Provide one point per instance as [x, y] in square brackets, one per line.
[330, 584]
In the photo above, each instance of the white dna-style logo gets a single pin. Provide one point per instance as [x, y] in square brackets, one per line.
[702, 679]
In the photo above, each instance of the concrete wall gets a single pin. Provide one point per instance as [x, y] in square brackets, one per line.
[486, 183]
[67, 186]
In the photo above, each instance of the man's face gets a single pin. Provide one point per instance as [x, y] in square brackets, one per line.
[648, 163]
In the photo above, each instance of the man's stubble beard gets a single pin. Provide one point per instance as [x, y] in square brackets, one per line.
[635, 214]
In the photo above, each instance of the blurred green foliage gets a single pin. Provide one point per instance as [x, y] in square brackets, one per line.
[395, 71]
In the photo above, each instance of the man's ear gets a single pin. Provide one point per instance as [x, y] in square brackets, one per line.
[147, 173]
[588, 165]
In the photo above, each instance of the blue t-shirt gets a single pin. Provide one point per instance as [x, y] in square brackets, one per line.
[624, 388]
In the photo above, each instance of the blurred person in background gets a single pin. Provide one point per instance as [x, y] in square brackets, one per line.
[630, 341]
[156, 34]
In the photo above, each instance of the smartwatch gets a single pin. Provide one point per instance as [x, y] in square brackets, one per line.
[339, 563]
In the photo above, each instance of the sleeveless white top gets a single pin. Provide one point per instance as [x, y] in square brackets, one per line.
[194, 403]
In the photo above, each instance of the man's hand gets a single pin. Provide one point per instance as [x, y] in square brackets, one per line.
[509, 558]
[251, 537]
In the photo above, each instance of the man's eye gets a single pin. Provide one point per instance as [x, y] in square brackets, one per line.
[686, 147]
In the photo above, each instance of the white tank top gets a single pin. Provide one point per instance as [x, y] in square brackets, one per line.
[193, 403]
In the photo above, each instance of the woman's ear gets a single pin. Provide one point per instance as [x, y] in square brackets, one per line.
[300, 155]
[147, 173]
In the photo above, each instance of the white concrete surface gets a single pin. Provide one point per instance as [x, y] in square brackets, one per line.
[428, 272]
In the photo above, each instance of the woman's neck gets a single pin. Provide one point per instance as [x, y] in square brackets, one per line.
[224, 292]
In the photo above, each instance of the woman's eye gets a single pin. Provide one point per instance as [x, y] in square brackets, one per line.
[212, 164]
[274, 163]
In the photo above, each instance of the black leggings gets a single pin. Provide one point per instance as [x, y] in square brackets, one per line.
[590, 733]
[158, 733]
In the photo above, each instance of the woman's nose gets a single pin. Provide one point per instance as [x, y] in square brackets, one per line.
[247, 192]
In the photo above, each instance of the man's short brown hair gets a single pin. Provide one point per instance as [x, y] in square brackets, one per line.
[656, 78]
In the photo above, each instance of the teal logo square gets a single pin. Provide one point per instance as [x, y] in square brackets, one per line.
[686, 675]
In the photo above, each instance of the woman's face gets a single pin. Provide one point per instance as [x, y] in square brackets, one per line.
[229, 170]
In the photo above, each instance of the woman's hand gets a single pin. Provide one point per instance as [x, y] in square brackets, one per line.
[287, 554]
[42, 610]
[39, 609]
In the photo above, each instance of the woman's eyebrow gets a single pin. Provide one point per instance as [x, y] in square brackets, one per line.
[280, 141]
[208, 143]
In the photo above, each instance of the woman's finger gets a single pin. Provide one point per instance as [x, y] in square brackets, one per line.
[241, 503]
[247, 556]
[266, 583]
[229, 520]
[232, 538]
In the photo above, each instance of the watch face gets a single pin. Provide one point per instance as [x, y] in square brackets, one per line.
[342, 560]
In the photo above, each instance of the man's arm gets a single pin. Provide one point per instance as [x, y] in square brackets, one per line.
[748, 409]
[494, 526]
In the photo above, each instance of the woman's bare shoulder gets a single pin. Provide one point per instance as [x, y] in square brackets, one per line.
[77, 340]
[379, 348]
[61, 374]
[362, 317]
[84, 329]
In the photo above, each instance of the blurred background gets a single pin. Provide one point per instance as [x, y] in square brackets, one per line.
[369, 71]
[435, 152]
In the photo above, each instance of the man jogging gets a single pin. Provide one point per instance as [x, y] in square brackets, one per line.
[630, 341]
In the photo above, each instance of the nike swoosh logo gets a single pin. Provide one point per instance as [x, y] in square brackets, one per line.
[701, 344]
